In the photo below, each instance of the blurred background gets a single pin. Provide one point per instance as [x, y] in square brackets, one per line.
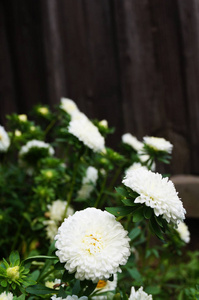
[134, 63]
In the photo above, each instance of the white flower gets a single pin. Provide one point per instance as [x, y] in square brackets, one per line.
[183, 231]
[134, 166]
[92, 244]
[56, 215]
[35, 144]
[156, 192]
[69, 106]
[88, 183]
[73, 297]
[51, 229]
[57, 209]
[43, 110]
[104, 286]
[4, 296]
[139, 294]
[4, 140]
[17, 132]
[158, 144]
[131, 140]
[87, 133]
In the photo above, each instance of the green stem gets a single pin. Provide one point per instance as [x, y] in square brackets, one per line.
[48, 128]
[17, 235]
[69, 196]
[101, 192]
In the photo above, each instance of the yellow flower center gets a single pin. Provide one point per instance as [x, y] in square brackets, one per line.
[13, 273]
[93, 243]
[101, 284]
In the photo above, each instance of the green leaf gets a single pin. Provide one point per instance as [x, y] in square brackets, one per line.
[135, 274]
[76, 288]
[128, 202]
[62, 293]
[155, 228]
[138, 214]
[67, 277]
[121, 191]
[39, 257]
[4, 283]
[14, 258]
[34, 275]
[134, 233]
[59, 266]
[148, 211]
[154, 290]
[39, 289]
[120, 210]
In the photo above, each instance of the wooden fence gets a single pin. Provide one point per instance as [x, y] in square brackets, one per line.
[132, 62]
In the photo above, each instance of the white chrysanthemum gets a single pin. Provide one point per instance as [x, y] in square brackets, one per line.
[104, 286]
[131, 140]
[183, 231]
[56, 215]
[87, 133]
[68, 106]
[92, 244]
[35, 144]
[139, 294]
[88, 183]
[6, 296]
[158, 144]
[73, 297]
[134, 166]
[57, 209]
[4, 140]
[156, 192]
[51, 229]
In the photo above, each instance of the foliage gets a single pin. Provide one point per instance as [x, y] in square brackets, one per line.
[31, 183]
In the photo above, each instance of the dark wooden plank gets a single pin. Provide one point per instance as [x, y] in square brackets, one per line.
[151, 75]
[91, 59]
[7, 87]
[189, 12]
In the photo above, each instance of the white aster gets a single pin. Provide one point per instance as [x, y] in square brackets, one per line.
[134, 166]
[69, 106]
[156, 192]
[132, 141]
[73, 297]
[139, 294]
[35, 144]
[88, 183]
[57, 210]
[6, 296]
[92, 244]
[56, 214]
[183, 231]
[158, 144]
[4, 140]
[87, 133]
[104, 286]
